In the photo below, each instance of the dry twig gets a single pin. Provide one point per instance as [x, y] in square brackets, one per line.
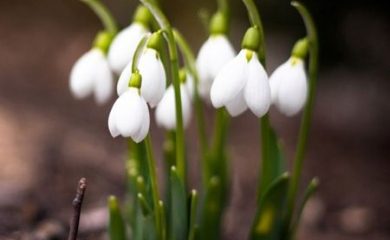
[77, 202]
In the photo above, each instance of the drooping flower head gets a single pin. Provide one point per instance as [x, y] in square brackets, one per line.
[243, 82]
[129, 116]
[166, 109]
[123, 46]
[289, 87]
[91, 74]
[213, 54]
[152, 71]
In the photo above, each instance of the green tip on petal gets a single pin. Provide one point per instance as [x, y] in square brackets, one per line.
[219, 24]
[252, 39]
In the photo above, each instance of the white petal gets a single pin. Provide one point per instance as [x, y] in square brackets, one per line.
[143, 132]
[237, 105]
[166, 111]
[82, 74]
[129, 115]
[123, 46]
[230, 81]
[112, 121]
[213, 55]
[293, 89]
[153, 77]
[275, 79]
[104, 82]
[257, 91]
[123, 82]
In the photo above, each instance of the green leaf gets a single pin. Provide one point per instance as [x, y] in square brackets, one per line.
[309, 192]
[116, 228]
[178, 208]
[149, 228]
[273, 166]
[268, 220]
[193, 213]
[213, 205]
[146, 209]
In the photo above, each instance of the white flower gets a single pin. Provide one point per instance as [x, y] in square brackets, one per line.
[129, 116]
[123, 46]
[91, 74]
[289, 86]
[166, 109]
[153, 77]
[212, 56]
[242, 83]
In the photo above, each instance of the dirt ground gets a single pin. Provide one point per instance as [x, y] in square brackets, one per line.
[48, 140]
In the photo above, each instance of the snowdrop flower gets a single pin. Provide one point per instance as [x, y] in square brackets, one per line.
[288, 83]
[152, 71]
[91, 74]
[166, 110]
[213, 55]
[129, 116]
[243, 82]
[125, 43]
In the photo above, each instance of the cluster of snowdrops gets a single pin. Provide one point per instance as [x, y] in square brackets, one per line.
[145, 59]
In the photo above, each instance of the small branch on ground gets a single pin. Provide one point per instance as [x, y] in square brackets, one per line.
[77, 202]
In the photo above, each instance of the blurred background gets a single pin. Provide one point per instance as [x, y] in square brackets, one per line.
[48, 140]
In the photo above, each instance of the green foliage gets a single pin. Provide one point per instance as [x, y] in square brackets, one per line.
[268, 220]
[116, 227]
[178, 208]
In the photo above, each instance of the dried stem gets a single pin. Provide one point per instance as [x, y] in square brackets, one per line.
[77, 202]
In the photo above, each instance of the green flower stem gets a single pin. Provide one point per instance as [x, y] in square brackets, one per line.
[153, 183]
[166, 27]
[220, 133]
[104, 14]
[138, 52]
[189, 60]
[223, 7]
[264, 121]
[307, 113]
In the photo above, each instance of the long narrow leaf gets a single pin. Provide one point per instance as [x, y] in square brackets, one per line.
[267, 224]
[178, 208]
[192, 216]
[309, 192]
[273, 166]
[116, 228]
[211, 213]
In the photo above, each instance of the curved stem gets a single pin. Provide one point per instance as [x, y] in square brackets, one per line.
[104, 14]
[307, 113]
[223, 6]
[138, 52]
[153, 183]
[190, 62]
[165, 26]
